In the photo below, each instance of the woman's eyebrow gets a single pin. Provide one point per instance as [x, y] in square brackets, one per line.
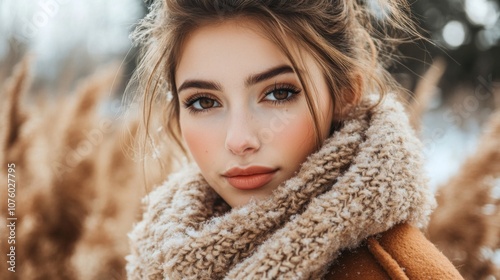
[268, 74]
[200, 84]
[251, 80]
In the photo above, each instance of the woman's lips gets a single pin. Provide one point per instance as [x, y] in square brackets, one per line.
[249, 178]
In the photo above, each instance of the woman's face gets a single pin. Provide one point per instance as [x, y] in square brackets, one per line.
[243, 112]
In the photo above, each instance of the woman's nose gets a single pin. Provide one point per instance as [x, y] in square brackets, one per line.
[242, 134]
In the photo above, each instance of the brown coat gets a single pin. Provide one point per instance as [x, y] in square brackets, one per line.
[403, 252]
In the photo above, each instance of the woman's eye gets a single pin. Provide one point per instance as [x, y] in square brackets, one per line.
[202, 103]
[281, 94]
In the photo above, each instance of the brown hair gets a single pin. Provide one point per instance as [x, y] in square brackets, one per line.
[351, 40]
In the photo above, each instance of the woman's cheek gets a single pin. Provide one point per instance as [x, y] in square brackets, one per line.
[296, 140]
[202, 140]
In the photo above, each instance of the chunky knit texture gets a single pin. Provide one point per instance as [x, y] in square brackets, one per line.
[366, 178]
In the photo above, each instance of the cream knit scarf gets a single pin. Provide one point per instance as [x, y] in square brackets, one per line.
[365, 179]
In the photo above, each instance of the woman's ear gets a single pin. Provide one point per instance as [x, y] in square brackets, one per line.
[350, 97]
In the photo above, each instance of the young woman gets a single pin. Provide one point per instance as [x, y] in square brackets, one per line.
[303, 163]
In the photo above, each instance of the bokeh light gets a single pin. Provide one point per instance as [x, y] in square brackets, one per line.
[482, 12]
[454, 33]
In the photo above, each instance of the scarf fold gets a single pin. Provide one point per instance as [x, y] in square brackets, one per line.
[366, 178]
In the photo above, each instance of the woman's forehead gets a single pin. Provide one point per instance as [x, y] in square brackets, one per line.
[227, 48]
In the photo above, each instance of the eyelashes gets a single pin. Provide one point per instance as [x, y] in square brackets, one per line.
[278, 94]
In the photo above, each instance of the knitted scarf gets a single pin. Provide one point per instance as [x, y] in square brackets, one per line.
[365, 179]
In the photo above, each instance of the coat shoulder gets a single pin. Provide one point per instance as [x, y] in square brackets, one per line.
[402, 252]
